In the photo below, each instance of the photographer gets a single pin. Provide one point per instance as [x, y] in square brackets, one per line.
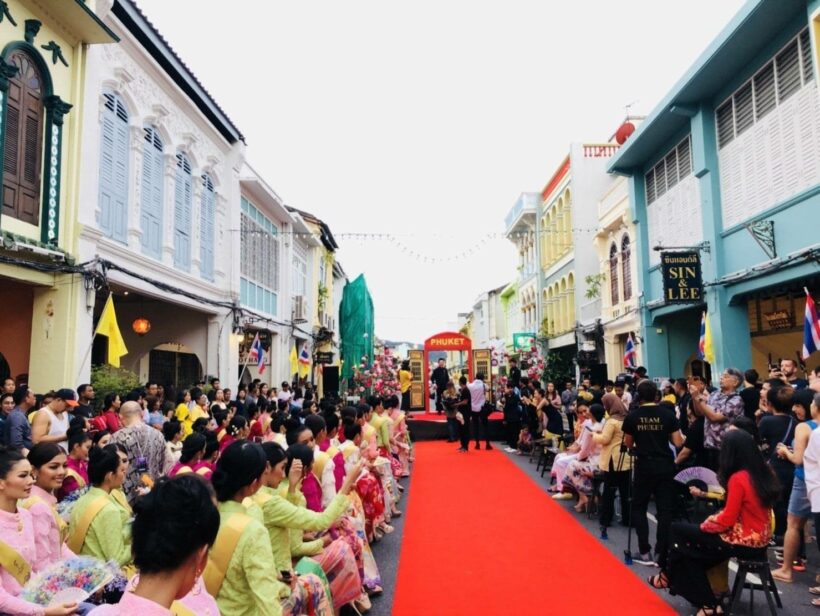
[719, 409]
[512, 416]
[477, 413]
[648, 430]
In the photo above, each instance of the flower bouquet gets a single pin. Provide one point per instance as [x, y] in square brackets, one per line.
[68, 581]
[65, 506]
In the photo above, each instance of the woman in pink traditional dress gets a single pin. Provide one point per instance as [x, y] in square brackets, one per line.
[48, 464]
[400, 438]
[190, 459]
[170, 552]
[76, 476]
[20, 559]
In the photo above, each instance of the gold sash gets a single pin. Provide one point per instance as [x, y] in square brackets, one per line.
[320, 460]
[76, 535]
[119, 496]
[347, 451]
[220, 435]
[70, 472]
[13, 562]
[184, 469]
[177, 609]
[260, 498]
[62, 527]
[224, 547]
[203, 470]
[332, 451]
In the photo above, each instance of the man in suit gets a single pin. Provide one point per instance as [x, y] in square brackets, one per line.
[439, 378]
[514, 377]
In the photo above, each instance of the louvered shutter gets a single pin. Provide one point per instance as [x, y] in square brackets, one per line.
[152, 194]
[207, 227]
[788, 71]
[114, 169]
[183, 191]
[23, 141]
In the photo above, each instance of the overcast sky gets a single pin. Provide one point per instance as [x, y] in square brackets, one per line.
[426, 119]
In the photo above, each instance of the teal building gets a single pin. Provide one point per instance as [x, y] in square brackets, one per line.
[728, 166]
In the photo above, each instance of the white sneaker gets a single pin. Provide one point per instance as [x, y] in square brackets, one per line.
[510, 450]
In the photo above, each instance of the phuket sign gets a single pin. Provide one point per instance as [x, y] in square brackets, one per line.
[682, 280]
[523, 341]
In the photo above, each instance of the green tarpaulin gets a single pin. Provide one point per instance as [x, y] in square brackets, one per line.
[356, 325]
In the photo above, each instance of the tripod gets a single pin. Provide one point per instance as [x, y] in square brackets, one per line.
[629, 488]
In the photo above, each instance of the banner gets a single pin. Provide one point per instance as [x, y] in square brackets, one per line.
[682, 280]
[523, 341]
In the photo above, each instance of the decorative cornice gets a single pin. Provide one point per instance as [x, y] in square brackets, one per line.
[58, 108]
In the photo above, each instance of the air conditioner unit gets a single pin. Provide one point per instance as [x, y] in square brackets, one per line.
[328, 322]
[299, 309]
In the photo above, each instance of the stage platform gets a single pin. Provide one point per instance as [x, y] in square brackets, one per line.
[433, 427]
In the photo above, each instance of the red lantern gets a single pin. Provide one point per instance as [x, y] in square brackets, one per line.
[141, 326]
[624, 131]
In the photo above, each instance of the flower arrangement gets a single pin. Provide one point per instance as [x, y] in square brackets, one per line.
[380, 378]
[68, 581]
[65, 506]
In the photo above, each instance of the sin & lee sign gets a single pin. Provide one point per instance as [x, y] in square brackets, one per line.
[682, 281]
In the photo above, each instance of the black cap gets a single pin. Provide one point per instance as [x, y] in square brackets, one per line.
[68, 396]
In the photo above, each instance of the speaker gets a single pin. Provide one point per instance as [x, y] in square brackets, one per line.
[330, 381]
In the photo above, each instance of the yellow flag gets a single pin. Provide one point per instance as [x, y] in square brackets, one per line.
[294, 361]
[107, 326]
[708, 350]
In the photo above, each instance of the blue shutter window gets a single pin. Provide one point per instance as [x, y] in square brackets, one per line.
[183, 202]
[207, 228]
[152, 193]
[114, 169]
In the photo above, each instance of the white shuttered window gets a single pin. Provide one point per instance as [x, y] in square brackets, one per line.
[152, 193]
[207, 228]
[113, 199]
[183, 202]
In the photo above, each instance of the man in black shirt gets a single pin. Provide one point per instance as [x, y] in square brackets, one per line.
[649, 430]
[514, 377]
[85, 393]
[512, 416]
[440, 377]
[463, 407]
[750, 394]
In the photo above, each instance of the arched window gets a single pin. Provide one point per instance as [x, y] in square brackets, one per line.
[207, 228]
[152, 193]
[571, 291]
[183, 202]
[114, 168]
[23, 146]
[626, 266]
[613, 274]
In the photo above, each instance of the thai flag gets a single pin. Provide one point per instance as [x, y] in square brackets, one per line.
[257, 354]
[702, 341]
[304, 356]
[631, 355]
[811, 327]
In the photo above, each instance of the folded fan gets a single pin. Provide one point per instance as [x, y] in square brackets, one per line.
[70, 580]
[697, 473]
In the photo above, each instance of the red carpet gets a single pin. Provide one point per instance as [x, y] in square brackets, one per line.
[481, 538]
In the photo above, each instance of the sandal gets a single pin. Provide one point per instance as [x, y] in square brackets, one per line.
[814, 590]
[815, 602]
[781, 578]
[658, 581]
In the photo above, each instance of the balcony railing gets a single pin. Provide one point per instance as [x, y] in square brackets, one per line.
[525, 204]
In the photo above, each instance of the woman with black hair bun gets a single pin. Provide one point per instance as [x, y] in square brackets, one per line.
[48, 467]
[169, 551]
[79, 444]
[190, 458]
[99, 525]
[18, 532]
[237, 430]
[241, 571]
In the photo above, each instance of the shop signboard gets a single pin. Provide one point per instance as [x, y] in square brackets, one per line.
[682, 279]
[523, 341]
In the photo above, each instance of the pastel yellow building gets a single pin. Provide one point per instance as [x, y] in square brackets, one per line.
[41, 87]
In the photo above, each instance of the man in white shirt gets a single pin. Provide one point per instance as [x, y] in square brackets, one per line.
[285, 393]
[811, 466]
[479, 418]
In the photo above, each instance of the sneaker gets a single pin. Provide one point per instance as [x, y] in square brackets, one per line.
[510, 450]
[562, 496]
[799, 565]
[644, 559]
